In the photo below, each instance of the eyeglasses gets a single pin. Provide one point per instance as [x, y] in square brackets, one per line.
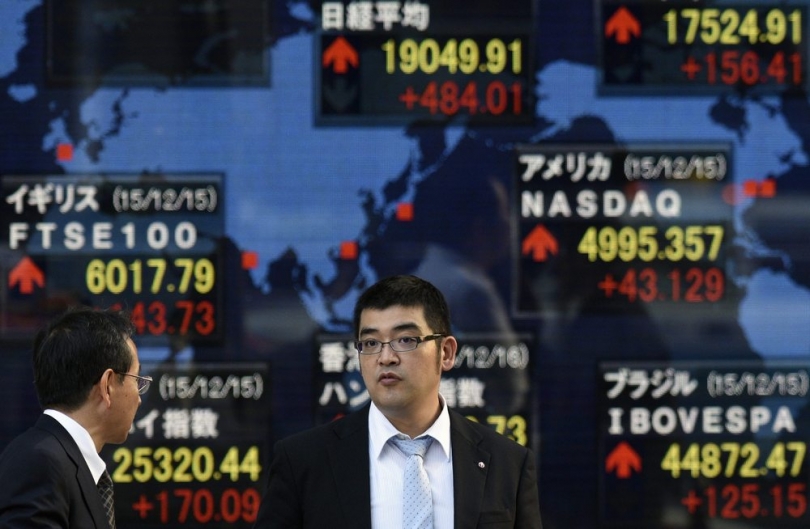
[403, 344]
[143, 382]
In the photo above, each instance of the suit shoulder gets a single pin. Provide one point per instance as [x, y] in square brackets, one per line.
[34, 441]
[34, 452]
[318, 436]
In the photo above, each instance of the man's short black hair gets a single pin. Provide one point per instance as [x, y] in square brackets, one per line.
[406, 291]
[74, 350]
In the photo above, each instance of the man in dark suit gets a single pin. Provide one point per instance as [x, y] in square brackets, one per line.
[86, 376]
[351, 473]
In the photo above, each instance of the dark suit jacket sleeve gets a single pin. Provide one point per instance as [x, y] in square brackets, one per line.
[32, 493]
[528, 499]
[44, 482]
[494, 479]
[280, 506]
[319, 478]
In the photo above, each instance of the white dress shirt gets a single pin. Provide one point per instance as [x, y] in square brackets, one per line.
[387, 467]
[85, 442]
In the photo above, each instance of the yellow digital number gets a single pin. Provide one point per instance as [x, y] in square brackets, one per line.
[776, 460]
[496, 56]
[741, 460]
[710, 465]
[608, 245]
[449, 56]
[181, 474]
[204, 276]
[110, 277]
[729, 22]
[672, 460]
[115, 276]
[694, 248]
[733, 450]
[776, 25]
[674, 251]
[628, 243]
[468, 56]
[408, 56]
[159, 265]
[499, 422]
[517, 425]
[427, 56]
[121, 474]
[710, 25]
[750, 26]
[182, 465]
[513, 426]
[691, 460]
[716, 233]
[185, 279]
[233, 468]
[250, 464]
[516, 47]
[142, 464]
[693, 16]
[94, 276]
[202, 464]
[389, 47]
[647, 243]
[800, 448]
[163, 470]
[750, 454]
[727, 26]
[587, 245]
[136, 267]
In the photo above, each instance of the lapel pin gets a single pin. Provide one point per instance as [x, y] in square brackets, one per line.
[481, 464]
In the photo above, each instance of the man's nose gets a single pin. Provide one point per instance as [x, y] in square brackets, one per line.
[387, 355]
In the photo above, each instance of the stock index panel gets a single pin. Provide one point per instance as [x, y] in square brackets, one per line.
[433, 62]
[196, 452]
[719, 441]
[148, 244]
[624, 226]
[611, 194]
[703, 46]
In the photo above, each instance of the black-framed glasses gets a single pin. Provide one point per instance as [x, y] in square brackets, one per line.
[403, 344]
[143, 382]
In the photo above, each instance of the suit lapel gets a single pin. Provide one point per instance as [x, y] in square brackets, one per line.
[348, 457]
[469, 476]
[84, 480]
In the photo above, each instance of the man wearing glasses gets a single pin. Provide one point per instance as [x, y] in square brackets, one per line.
[406, 460]
[86, 377]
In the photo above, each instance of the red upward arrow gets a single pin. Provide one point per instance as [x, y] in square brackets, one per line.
[623, 459]
[540, 243]
[26, 274]
[340, 54]
[622, 24]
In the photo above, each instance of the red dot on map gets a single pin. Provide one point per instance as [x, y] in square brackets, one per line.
[750, 188]
[767, 188]
[64, 152]
[250, 260]
[348, 250]
[405, 212]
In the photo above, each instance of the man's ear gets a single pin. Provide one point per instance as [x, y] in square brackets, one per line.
[105, 385]
[449, 348]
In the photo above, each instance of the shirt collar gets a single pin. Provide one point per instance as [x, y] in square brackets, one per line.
[381, 430]
[83, 439]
